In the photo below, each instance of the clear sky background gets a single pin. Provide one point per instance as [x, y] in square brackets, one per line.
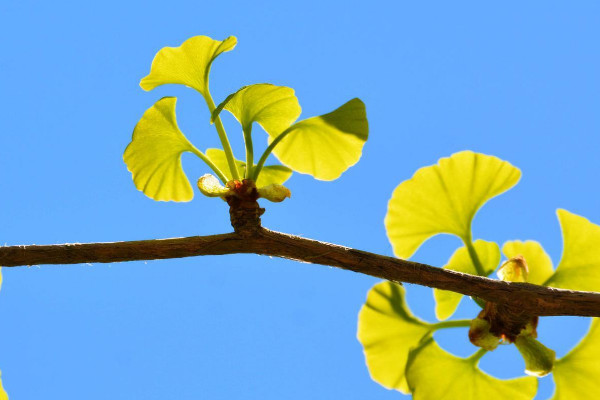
[519, 81]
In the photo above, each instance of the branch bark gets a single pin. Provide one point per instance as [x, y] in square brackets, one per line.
[531, 299]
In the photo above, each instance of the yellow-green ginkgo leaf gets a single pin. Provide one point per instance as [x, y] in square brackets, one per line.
[217, 156]
[325, 146]
[269, 175]
[154, 155]
[488, 253]
[275, 108]
[538, 262]
[388, 331]
[577, 374]
[433, 373]
[188, 64]
[3, 394]
[444, 198]
[579, 267]
[210, 186]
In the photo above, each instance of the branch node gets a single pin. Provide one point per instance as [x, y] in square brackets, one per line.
[244, 210]
[507, 321]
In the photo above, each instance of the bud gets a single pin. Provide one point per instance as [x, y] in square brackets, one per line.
[514, 270]
[480, 335]
[275, 193]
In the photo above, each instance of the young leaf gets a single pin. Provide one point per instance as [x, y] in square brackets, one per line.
[154, 155]
[444, 198]
[539, 263]
[433, 373]
[210, 186]
[270, 175]
[514, 269]
[577, 374]
[325, 146]
[579, 267]
[275, 193]
[388, 331]
[188, 64]
[275, 108]
[446, 302]
[539, 360]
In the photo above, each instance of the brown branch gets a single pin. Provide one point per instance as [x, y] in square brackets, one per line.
[531, 299]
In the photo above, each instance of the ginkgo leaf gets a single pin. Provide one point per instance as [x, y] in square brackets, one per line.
[388, 331]
[444, 198]
[275, 108]
[3, 394]
[217, 156]
[488, 253]
[538, 262]
[269, 175]
[210, 186]
[433, 373]
[273, 175]
[579, 267]
[188, 64]
[325, 146]
[154, 155]
[577, 374]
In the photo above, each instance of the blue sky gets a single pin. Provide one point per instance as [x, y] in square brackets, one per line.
[519, 81]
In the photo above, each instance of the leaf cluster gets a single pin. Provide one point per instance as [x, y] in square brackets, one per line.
[399, 348]
[323, 146]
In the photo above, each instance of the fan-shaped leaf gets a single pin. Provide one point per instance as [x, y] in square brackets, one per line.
[325, 146]
[270, 174]
[579, 267]
[154, 155]
[577, 374]
[446, 302]
[539, 263]
[444, 198]
[217, 156]
[188, 64]
[3, 394]
[433, 373]
[388, 331]
[275, 108]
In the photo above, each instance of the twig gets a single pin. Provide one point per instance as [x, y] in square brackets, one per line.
[533, 299]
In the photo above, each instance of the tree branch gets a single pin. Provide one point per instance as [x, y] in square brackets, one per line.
[531, 299]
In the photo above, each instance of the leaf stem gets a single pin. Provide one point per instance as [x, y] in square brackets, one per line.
[249, 151]
[459, 323]
[267, 152]
[212, 166]
[223, 136]
[473, 254]
[477, 356]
